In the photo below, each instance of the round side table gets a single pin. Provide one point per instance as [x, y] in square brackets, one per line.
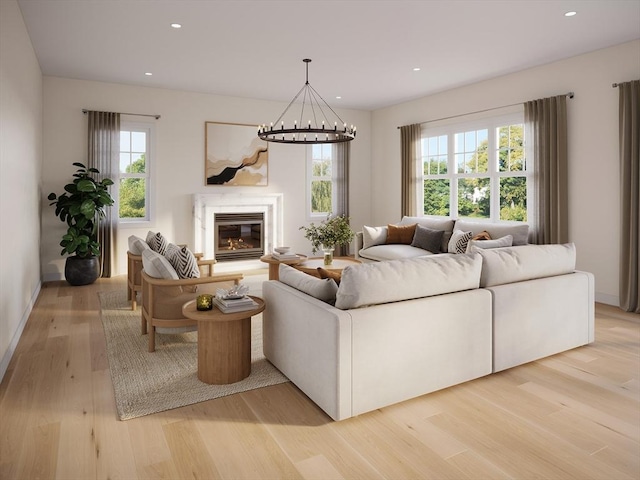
[274, 264]
[224, 342]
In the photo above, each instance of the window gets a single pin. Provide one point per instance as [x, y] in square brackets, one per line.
[133, 169]
[476, 170]
[322, 185]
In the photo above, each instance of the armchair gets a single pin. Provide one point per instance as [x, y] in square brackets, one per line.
[162, 301]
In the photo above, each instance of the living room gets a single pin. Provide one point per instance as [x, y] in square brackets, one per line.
[43, 127]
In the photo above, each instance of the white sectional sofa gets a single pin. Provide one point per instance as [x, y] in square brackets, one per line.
[404, 328]
[370, 243]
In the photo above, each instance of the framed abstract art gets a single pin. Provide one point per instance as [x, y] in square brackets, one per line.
[234, 155]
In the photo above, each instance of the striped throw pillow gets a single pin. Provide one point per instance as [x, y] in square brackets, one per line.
[157, 242]
[183, 261]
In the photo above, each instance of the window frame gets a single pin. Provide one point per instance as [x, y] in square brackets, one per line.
[149, 129]
[316, 216]
[491, 123]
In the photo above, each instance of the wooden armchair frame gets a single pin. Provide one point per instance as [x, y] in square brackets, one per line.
[134, 267]
[149, 320]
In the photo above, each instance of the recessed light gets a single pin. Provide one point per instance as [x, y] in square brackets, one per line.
[176, 25]
[570, 14]
[416, 69]
[148, 74]
[338, 97]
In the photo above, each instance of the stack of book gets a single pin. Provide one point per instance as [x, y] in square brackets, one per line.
[231, 305]
[284, 256]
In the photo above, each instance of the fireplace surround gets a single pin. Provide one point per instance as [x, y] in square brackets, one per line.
[205, 208]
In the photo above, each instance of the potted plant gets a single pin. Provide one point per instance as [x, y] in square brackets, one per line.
[329, 233]
[81, 207]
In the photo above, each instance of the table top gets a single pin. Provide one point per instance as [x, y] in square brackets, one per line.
[189, 310]
[338, 263]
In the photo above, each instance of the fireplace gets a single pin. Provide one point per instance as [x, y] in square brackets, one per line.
[238, 236]
[207, 209]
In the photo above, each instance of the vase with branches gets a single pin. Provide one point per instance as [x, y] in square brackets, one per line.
[328, 234]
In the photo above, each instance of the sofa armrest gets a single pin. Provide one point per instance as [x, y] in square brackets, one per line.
[359, 243]
[310, 342]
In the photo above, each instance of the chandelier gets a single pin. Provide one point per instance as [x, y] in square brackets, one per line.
[320, 127]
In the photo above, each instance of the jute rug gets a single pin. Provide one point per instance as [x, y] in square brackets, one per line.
[147, 383]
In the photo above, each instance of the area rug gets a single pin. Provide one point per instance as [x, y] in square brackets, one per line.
[147, 383]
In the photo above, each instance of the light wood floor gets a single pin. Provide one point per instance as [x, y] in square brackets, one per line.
[575, 415]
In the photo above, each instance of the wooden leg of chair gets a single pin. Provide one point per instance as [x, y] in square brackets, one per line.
[152, 338]
[143, 325]
[134, 299]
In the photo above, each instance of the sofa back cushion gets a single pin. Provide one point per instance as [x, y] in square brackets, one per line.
[520, 232]
[396, 280]
[322, 289]
[526, 262]
[434, 223]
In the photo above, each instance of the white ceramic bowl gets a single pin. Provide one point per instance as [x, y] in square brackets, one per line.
[281, 250]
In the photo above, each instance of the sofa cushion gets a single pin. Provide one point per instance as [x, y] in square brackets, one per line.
[525, 262]
[384, 282]
[395, 251]
[137, 245]
[322, 289]
[157, 242]
[372, 236]
[435, 223]
[157, 266]
[459, 241]
[520, 232]
[427, 239]
[474, 245]
[401, 233]
[183, 261]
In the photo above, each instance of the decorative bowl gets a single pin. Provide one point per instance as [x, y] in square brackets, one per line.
[281, 250]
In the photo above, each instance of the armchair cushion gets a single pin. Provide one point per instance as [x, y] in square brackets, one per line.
[158, 266]
[137, 245]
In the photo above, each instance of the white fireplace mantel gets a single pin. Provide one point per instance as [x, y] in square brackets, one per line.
[205, 206]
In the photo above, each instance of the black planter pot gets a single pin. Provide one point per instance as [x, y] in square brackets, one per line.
[82, 271]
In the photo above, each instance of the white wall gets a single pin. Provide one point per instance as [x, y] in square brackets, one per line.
[179, 167]
[594, 192]
[20, 171]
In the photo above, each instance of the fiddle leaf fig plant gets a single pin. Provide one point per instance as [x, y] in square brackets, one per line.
[81, 207]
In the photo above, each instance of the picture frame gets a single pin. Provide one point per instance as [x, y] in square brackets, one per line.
[234, 155]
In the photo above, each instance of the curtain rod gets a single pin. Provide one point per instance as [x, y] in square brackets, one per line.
[157, 117]
[568, 94]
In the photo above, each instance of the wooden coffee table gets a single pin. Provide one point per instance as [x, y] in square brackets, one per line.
[224, 342]
[311, 265]
[274, 264]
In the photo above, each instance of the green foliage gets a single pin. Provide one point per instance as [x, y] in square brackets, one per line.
[133, 192]
[330, 232]
[436, 197]
[321, 196]
[81, 207]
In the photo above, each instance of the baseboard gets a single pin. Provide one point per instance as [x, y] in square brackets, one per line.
[608, 299]
[6, 358]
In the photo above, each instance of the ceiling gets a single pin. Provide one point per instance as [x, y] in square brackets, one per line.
[363, 51]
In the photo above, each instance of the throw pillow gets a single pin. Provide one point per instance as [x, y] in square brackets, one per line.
[372, 236]
[427, 239]
[459, 241]
[183, 261]
[137, 245]
[155, 265]
[401, 233]
[336, 276]
[484, 235]
[475, 245]
[324, 290]
[157, 242]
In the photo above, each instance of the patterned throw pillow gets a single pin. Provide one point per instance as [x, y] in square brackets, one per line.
[183, 261]
[459, 241]
[157, 242]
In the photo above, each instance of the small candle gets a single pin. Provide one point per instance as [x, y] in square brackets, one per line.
[204, 301]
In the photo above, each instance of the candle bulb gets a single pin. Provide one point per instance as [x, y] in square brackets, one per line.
[323, 124]
[282, 125]
[335, 126]
[271, 127]
[295, 125]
